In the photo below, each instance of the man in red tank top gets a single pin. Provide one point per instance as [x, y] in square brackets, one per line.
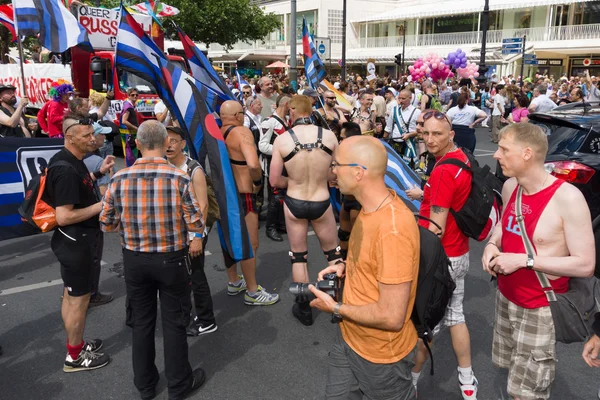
[558, 223]
[448, 188]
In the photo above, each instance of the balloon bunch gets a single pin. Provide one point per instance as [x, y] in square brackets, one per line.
[469, 71]
[419, 70]
[457, 59]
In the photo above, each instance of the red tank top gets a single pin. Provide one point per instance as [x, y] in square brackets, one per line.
[522, 287]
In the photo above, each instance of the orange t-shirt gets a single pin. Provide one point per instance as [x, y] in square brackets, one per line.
[383, 247]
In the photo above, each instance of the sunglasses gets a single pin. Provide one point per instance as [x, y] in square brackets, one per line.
[437, 115]
[335, 165]
[133, 95]
[330, 98]
[86, 122]
[247, 92]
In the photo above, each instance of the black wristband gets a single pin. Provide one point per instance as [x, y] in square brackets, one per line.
[257, 182]
[98, 174]
[110, 98]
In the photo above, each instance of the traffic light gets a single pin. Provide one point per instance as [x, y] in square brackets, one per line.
[398, 58]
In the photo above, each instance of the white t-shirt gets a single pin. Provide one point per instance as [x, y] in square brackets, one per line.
[543, 104]
[498, 100]
[465, 117]
[593, 93]
[404, 118]
[160, 108]
[184, 168]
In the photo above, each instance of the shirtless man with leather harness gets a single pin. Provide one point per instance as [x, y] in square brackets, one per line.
[247, 174]
[306, 152]
[332, 115]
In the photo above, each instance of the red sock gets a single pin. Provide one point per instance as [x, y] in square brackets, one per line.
[75, 350]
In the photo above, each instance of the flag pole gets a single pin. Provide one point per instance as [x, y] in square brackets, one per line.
[20, 46]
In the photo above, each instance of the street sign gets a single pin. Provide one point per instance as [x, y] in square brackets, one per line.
[512, 46]
[512, 40]
[511, 51]
[529, 56]
[530, 62]
[321, 49]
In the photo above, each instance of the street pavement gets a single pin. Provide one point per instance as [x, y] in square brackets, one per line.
[256, 353]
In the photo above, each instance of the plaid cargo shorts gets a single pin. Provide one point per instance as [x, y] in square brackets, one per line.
[454, 312]
[524, 343]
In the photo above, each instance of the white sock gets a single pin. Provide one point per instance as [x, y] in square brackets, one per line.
[415, 378]
[465, 375]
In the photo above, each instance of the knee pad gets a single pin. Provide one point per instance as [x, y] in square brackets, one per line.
[333, 254]
[298, 257]
[343, 235]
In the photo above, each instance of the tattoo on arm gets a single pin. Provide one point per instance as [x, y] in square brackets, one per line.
[436, 209]
[248, 139]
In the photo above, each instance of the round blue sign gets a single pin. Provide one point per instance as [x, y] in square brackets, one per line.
[322, 48]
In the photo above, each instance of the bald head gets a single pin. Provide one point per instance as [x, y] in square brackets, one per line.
[364, 150]
[231, 113]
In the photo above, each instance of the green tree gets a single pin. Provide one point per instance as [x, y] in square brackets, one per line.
[225, 22]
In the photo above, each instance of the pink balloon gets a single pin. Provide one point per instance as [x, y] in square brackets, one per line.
[476, 74]
[428, 70]
[434, 65]
[411, 68]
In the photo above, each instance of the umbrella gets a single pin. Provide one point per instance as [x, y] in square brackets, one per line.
[278, 64]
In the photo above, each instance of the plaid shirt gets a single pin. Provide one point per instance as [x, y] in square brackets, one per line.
[152, 206]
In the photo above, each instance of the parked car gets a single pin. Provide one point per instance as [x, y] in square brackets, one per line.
[574, 153]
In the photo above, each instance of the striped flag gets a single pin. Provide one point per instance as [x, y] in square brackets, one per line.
[315, 70]
[233, 232]
[57, 28]
[400, 177]
[202, 69]
[338, 95]
[241, 81]
[8, 20]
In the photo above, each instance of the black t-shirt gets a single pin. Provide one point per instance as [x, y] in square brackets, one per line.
[66, 185]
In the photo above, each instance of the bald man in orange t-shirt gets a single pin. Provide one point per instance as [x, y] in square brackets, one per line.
[376, 345]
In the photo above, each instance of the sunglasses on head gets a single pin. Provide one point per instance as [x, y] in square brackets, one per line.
[86, 122]
[437, 115]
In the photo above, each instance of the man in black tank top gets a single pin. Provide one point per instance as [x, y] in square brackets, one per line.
[11, 120]
[306, 152]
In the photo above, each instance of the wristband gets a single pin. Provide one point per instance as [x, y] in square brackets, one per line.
[110, 98]
[493, 244]
[257, 182]
[98, 174]
[198, 235]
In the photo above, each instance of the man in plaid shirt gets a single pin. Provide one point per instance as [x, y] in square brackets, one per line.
[153, 207]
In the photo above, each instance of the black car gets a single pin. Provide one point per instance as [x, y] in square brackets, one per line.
[574, 153]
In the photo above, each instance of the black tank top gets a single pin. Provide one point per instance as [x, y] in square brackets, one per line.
[8, 131]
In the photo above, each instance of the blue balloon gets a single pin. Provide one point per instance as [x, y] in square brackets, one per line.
[464, 59]
[463, 65]
[459, 51]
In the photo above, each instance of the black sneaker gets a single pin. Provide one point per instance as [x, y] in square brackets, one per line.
[198, 379]
[100, 299]
[86, 361]
[199, 328]
[93, 345]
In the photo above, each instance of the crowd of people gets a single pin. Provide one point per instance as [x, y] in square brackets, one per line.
[295, 147]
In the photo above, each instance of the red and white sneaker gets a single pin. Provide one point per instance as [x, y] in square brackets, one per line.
[469, 390]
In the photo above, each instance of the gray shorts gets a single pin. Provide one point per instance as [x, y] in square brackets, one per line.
[351, 377]
[454, 312]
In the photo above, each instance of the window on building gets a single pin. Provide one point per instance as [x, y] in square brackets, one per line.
[561, 15]
[311, 22]
[523, 19]
[449, 24]
[496, 19]
[591, 13]
[426, 26]
[363, 31]
[334, 25]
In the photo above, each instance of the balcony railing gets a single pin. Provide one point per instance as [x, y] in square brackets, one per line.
[257, 45]
[570, 32]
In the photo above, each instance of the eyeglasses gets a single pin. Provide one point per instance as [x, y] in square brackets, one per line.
[437, 115]
[422, 123]
[239, 112]
[86, 122]
[173, 142]
[335, 165]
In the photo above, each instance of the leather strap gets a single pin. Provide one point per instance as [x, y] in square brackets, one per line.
[544, 282]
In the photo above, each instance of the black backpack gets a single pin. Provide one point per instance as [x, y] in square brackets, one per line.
[485, 194]
[434, 286]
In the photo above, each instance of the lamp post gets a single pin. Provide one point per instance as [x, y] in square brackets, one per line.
[344, 41]
[484, 28]
[403, 46]
[293, 55]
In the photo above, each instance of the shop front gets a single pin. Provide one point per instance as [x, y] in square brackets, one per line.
[578, 65]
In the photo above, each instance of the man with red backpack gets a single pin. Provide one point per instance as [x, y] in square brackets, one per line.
[448, 188]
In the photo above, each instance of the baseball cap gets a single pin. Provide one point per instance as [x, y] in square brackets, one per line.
[310, 92]
[7, 87]
[101, 130]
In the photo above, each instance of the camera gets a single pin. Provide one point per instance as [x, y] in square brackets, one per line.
[330, 285]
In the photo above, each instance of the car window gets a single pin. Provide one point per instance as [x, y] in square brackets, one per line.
[563, 139]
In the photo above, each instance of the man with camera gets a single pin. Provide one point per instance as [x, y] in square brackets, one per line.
[376, 344]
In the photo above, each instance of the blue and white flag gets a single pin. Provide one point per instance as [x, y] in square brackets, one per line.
[314, 68]
[57, 28]
[21, 159]
[241, 81]
[399, 177]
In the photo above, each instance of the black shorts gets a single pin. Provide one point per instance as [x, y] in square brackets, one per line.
[76, 250]
[248, 203]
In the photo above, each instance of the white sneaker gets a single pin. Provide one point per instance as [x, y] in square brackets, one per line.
[469, 391]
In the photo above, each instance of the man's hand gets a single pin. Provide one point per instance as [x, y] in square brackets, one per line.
[339, 269]
[489, 253]
[590, 352]
[414, 193]
[196, 247]
[23, 102]
[323, 301]
[110, 95]
[507, 263]
[107, 164]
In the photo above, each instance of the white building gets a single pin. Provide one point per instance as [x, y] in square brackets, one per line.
[563, 34]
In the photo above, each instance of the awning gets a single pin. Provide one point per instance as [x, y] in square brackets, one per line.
[387, 56]
[438, 8]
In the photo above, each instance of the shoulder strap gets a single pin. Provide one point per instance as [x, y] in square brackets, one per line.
[550, 295]
[228, 131]
[294, 137]
[278, 119]
[454, 161]
[192, 166]
[252, 122]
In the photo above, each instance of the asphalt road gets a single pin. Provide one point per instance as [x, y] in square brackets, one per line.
[257, 353]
